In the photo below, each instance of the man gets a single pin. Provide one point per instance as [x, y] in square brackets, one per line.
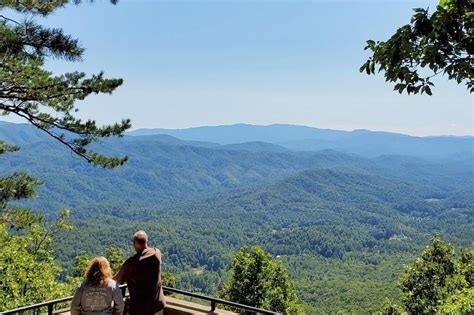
[142, 273]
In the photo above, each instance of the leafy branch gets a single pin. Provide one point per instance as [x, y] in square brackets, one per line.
[440, 43]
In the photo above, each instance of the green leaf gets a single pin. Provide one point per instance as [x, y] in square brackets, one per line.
[427, 90]
[399, 87]
[445, 3]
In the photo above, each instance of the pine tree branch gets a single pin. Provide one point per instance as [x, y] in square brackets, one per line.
[52, 134]
[8, 19]
[42, 99]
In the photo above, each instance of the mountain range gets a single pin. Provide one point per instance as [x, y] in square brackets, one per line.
[343, 222]
[303, 138]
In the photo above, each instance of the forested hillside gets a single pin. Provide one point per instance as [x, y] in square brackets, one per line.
[343, 225]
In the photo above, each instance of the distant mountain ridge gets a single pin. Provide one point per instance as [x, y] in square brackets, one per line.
[272, 132]
[239, 133]
[281, 138]
[302, 138]
[20, 134]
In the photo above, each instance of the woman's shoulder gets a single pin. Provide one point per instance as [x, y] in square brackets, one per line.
[112, 283]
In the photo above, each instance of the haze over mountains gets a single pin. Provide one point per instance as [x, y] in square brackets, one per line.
[280, 138]
[302, 138]
[344, 210]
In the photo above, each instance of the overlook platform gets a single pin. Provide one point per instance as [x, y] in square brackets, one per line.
[175, 305]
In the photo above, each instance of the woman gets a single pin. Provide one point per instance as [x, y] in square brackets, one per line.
[98, 294]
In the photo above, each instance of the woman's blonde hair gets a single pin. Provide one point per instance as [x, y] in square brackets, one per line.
[98, 272]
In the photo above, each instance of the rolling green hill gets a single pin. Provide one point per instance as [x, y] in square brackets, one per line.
[344, 237]
[164, 168]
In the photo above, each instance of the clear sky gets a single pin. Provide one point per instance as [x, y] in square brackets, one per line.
[193, 63]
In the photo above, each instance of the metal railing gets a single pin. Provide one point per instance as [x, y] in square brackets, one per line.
[214, 302]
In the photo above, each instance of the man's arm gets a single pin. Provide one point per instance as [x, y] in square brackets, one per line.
[121, 276]
[158, 256]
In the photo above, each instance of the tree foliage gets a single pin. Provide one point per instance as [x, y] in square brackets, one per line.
[257, 280]
[80, 264]
[168, 279]
[28, 272]
[42, 98]
[40, 7]
[389, 308]
[424, 282]
[431, 44]
[116, 257]
[438, 283]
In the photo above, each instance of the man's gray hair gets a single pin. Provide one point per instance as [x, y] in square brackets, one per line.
[140, 237]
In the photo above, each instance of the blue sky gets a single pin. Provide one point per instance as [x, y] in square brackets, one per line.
[192, 63]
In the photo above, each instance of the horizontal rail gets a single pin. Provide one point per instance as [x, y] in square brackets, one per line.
[214, 303]
[48, 304]
[220, 301]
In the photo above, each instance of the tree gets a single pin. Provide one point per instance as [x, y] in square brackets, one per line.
[168, 279]
[45, 100]
[440, 43]
[80, 264]
[424, 282]
[437, 283]
[461, 287]
[257, 280]
[460, 303]
[116, 257]
[28, 272]
[388, 308]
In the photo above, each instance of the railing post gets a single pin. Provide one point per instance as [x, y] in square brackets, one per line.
[50, 309]
[213, 306]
